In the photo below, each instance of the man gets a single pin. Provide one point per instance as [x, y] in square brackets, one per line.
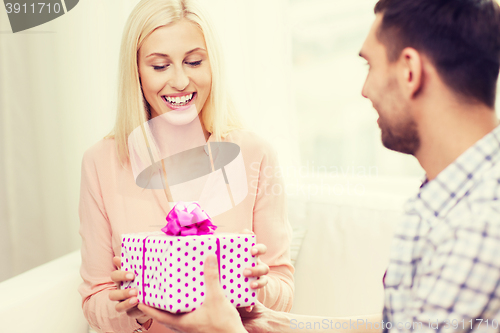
[433, 73]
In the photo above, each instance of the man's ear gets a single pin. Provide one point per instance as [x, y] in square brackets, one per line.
[411, 70]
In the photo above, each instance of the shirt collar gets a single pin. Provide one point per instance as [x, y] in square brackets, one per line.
[453, 183]
[205, 147]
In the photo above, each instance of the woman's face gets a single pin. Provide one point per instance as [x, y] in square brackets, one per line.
[174, 68]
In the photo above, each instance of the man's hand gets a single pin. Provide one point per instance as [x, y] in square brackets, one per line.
[216, 314]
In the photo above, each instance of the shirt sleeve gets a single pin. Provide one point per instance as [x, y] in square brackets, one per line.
[97, 254]
[457, 288]
[271, 226]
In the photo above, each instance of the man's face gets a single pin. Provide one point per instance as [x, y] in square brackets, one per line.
[383, 88]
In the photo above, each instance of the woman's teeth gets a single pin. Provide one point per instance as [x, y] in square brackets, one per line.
[179, 101]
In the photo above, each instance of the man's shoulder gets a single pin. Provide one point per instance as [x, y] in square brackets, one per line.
[487, 187]
[481, 205]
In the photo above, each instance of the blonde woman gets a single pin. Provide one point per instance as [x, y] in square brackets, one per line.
[170, 58]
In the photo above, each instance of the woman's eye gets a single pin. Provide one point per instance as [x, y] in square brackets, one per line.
[159, 68]
[194, 63]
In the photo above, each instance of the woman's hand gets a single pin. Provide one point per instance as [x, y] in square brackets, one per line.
[259, 271]
[262, 319]
[127, 298]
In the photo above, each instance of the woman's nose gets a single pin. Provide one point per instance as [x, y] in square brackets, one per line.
[179, 79]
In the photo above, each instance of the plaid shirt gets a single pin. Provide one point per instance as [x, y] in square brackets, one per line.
[444, 269]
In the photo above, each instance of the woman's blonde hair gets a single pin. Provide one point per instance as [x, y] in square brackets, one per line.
[219, 116]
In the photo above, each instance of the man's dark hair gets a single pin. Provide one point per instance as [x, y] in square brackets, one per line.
[460, 37]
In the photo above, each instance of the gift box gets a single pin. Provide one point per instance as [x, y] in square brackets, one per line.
[169, 269]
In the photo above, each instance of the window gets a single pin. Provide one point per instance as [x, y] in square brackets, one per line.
[338, 128]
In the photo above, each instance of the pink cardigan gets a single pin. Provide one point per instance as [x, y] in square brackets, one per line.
[112, 204]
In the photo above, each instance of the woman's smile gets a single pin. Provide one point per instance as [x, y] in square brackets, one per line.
[180, 100]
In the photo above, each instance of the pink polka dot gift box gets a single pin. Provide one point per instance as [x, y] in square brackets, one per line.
[168, 265]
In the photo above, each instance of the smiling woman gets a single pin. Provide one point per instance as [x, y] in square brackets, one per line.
[174, 69]
[171, 68]
[155, 50]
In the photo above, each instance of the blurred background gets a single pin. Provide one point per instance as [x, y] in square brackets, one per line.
[294, 73]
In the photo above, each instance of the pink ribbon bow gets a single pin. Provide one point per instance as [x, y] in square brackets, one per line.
[187, 220]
